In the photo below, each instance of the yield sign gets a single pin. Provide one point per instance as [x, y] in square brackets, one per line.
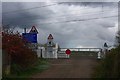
[50, 36]
[33, 30]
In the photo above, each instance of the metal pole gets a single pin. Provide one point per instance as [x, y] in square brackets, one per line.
[24, 30]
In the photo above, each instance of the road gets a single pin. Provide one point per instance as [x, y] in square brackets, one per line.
[76, 67]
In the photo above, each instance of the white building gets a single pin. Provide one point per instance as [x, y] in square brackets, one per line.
[50, 51]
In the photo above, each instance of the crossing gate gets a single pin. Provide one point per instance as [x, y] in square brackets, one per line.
[62, 54]
[81, 51]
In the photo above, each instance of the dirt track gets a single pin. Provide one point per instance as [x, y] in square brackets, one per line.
[76, 67]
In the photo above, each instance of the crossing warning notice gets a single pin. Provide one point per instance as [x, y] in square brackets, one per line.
[33, 30]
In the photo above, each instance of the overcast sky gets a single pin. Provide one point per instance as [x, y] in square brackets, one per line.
[72, 24]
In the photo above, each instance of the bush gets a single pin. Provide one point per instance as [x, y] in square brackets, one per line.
[21, 56]
[16, 69]
[109, 67]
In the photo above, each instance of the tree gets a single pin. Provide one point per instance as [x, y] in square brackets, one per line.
[20, 53]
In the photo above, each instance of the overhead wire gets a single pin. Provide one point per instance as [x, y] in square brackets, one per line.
[51, 17]
[79, 20]
[76, 11]
[62, 16]
[46, 6]
[22, 10]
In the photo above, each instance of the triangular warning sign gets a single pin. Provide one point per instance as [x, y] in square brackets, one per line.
[33, 30]
[50, 36]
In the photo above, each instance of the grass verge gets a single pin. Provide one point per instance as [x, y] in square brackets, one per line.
[41, 65]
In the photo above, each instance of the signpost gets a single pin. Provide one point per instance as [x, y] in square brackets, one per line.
[50, 40]
[50, 37]
[68, 52]
[30, 37]
[33, 30]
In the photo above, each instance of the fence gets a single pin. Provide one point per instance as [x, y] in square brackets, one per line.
[42, 52]
[81, 49]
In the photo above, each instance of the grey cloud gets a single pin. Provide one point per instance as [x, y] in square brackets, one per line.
[92, 4]
[107, 23]
[87, 0]
[22, 18]
[89, 33]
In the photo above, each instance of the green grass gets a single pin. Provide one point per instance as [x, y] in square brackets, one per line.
[41, 65]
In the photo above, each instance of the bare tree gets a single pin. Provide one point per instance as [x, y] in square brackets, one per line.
[8, 29]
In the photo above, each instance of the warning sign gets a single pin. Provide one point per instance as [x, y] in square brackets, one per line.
[33, 30]
[50, 36]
